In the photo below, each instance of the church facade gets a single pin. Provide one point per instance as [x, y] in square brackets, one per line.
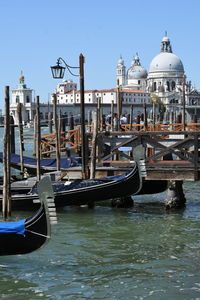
[165, 81]
[163, 84]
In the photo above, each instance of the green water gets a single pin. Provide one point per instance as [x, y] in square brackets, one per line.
[106, 253]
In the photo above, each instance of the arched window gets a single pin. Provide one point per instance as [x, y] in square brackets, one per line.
[173, 85]
[27, 99]
[168, 86]
[17, 99]
[154, 86]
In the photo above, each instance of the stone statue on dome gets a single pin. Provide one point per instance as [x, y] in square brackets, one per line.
[21, 78]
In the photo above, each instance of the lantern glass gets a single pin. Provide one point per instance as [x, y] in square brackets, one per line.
[58, 71]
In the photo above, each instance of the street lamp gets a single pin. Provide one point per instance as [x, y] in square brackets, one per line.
[58, 72]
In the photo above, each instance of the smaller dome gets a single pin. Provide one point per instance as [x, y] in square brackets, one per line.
[120, 61]
[136, 71]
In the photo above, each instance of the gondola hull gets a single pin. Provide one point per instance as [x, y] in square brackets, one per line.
[14, 243]
[28, 235]
[81, 192]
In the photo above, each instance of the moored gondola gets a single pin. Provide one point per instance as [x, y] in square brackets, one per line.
[28, 235]
[80, 192]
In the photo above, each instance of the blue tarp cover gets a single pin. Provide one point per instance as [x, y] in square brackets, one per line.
[65, 163]
[17, 227]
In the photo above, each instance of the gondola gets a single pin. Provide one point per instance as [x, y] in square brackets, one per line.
[88, 191]
[46, 165]
[28, 235]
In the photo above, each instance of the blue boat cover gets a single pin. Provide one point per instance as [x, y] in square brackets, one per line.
[17, 227]
[65, 163]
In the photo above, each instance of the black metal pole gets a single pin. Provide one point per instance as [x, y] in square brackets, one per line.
[83, 148]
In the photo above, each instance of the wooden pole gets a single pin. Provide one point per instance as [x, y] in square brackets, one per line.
[183, 103]
[145, 116]
[6, 204]
[12, 135]
[63, 128]
[71, 127]
[21, 149]
[131, 117]
[50, 122]
[112, 115]
[82, 96]
[98, 117]
[119, 104]
[56, 132]
[89, 120]
[94, 144]
[35, 134]
[154, 116]
[38, 139]
[20, 125]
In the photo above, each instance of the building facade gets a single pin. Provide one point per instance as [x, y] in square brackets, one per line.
[163, 83]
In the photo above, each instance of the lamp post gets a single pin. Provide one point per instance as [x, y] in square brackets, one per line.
[58, 72]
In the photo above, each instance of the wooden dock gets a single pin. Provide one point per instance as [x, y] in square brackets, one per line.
[170, 152]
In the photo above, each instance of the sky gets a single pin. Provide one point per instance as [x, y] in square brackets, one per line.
[35, 33]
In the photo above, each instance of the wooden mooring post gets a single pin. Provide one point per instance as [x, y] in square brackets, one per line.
[94, 145]
[6, 203]
[21, 145]
[12, 135]
[56, 131]
[38, 138]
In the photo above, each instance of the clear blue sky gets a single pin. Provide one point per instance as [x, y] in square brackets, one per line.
[35, 33]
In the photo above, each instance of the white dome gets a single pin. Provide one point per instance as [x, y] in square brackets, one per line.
[166, 62]
[137, 72]
[120, 61]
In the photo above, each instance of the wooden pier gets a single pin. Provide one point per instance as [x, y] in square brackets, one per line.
[170, 152]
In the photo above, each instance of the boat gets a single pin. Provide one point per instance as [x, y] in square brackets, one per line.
[28, 235]
[150, 187]
[88, 191]
[46, 164]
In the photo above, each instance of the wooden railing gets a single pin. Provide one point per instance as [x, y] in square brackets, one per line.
[71, 139]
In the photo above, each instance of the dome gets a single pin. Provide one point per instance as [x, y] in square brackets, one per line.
[136, 71]
[166, 62]
[120, 61]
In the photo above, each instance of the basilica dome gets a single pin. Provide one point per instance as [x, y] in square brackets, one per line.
[136, 71]
[166, 62]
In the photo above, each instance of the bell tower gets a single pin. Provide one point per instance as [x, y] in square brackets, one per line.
[121, 72]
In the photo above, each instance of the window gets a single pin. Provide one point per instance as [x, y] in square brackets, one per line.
[168, 86]
[27, 99]
[17, 99]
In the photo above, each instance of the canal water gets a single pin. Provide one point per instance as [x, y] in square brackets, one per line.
[108, 253]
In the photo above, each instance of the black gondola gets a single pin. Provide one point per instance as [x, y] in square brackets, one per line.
[46, 165]
[80, 192]
[25, 236]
